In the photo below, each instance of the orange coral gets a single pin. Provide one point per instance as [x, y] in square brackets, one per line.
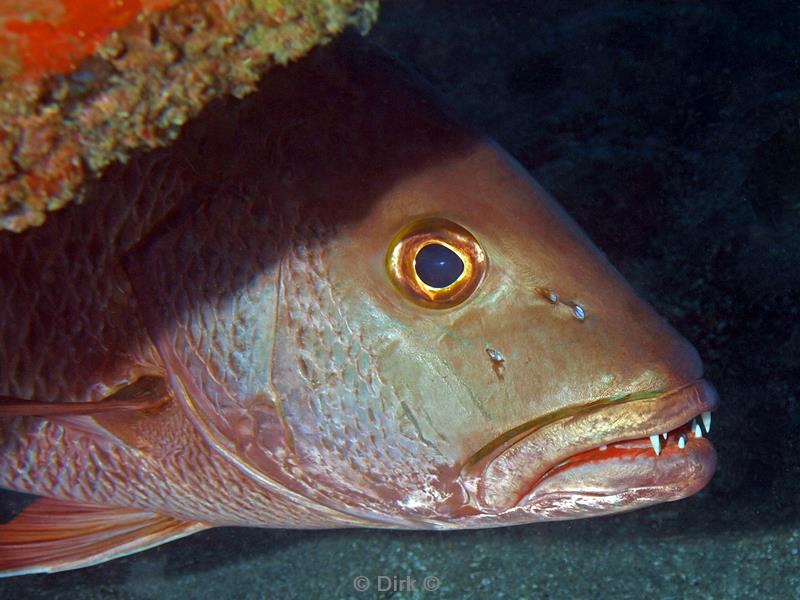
[52, 36]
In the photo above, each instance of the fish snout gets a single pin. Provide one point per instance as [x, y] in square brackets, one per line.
[621, 346]
[601, 458]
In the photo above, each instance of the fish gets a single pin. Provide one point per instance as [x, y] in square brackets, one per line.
[328, 305]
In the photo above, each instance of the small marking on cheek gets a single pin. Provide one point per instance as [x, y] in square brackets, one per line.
[498, 362]
[495, 355]
[551, 296]
[548, 294]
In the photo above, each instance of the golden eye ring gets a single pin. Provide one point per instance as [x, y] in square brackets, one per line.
[442, 244]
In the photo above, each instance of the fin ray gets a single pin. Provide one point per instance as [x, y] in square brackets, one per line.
[57, 535]
[146, 393]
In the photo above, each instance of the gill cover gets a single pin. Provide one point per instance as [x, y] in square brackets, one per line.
[267, 348]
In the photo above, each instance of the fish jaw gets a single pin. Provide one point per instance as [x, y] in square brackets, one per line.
[597, 461]
[635, 479]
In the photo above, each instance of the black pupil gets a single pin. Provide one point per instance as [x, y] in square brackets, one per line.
[438, 266]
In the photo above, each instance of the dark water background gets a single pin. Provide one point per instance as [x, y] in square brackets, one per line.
[671, 131]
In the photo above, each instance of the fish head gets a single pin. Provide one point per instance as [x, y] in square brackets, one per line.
[395, 325]
[515, 369]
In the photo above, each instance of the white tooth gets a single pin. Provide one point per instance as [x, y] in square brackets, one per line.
[664, 435]
[681, 441]
[696, 429]
[656, 442]
[706, 416]
[603, 447]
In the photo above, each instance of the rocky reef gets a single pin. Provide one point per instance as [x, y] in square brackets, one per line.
[84, 83]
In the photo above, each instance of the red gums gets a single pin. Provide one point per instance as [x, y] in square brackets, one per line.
[612, 451]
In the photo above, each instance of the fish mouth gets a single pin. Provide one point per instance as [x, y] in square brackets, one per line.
[606, 456]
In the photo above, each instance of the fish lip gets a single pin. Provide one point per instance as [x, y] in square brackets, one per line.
[621, 484]
[503, 477]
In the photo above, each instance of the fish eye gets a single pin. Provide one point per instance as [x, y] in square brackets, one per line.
[437, 266]
[435, 263]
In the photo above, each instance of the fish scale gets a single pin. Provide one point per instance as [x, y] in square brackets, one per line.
[338, 406]
[105, 472]
[45, 283]
[101, 471]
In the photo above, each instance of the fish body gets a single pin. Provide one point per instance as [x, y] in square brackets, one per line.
[264, 297]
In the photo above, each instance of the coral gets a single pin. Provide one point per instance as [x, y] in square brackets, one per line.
[86, 82]
[40, 36]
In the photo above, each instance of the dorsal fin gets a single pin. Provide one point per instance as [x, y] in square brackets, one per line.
[56, 535]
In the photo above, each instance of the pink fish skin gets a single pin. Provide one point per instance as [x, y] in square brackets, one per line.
[242, 325]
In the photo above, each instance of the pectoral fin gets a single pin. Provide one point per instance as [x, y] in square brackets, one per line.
[146, 393]
[57, 535]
